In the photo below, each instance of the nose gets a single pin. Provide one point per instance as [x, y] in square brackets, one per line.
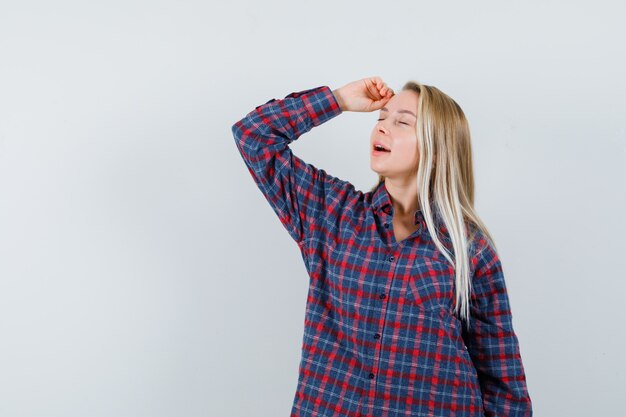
[381, 127]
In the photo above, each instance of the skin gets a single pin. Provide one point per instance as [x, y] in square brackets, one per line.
[397, 131]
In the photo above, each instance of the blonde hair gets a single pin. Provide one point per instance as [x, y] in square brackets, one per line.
[443, 133]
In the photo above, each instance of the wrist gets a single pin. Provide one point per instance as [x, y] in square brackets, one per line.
[339, 98]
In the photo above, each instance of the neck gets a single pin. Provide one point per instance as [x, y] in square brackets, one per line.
[403, 195]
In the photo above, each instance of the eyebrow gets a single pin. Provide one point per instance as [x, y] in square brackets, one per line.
[400, 111]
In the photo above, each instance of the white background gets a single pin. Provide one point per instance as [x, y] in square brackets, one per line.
[142, 273]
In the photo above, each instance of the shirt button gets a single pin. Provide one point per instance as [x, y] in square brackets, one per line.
[387, 225]
[371, 375]
[382, 296]
[391, 258]
[377, 336]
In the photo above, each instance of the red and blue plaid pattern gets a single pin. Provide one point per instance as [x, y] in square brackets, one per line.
[381, 337]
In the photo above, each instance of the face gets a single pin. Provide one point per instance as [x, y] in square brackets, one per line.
[396, 131]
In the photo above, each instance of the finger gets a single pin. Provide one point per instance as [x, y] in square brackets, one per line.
[374, 83]
[373, 92]
[378, 104]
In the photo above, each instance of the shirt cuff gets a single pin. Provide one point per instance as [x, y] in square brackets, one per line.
[320, 103]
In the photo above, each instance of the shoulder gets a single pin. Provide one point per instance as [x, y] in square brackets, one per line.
[482, 250]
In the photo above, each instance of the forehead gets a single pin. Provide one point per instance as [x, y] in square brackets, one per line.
[404, 100]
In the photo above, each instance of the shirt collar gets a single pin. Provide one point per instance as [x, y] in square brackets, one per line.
[382, 201]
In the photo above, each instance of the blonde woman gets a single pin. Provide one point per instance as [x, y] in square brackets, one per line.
[407, 311]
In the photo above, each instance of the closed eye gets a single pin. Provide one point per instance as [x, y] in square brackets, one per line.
[400, 122]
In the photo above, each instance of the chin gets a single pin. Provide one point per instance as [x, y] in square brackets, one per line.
[374, 167]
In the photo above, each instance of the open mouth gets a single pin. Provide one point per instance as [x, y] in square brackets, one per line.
[380, 148]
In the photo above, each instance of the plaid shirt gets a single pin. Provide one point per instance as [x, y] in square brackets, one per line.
[381, 337]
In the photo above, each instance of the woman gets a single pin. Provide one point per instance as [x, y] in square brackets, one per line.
[396, 324]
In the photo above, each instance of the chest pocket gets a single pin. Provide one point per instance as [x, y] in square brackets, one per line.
[431, 284]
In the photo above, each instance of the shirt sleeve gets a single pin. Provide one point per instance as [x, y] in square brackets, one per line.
[492, 343]
[297, 191]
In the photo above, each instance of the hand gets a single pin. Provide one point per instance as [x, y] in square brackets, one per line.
[364, 95]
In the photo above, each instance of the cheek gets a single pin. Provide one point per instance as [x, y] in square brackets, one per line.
[408, 150]
[407, 153]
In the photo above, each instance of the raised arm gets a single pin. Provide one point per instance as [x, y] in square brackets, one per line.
[298, 192]
[301, 194]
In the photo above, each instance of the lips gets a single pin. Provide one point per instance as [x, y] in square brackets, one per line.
[380, 147]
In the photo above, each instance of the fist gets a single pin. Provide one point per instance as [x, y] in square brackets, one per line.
[366, 95]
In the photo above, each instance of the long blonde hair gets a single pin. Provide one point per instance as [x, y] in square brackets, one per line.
[443, 133]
